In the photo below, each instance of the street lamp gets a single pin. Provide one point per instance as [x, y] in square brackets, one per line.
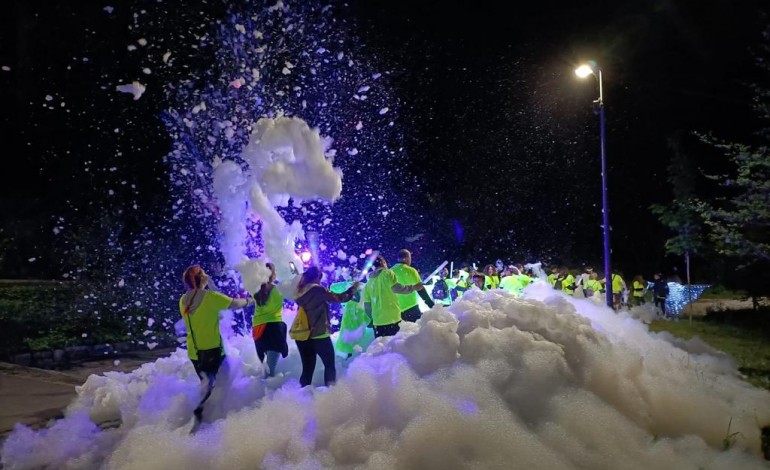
[592, 68]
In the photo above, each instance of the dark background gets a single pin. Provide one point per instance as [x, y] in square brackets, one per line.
[498, 130]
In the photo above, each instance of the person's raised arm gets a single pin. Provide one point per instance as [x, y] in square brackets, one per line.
[240, 303]
[343, 297]
[402, 289]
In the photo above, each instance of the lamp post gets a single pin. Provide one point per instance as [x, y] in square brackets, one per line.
[591, 68]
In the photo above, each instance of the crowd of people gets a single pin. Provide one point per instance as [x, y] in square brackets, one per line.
[374, 304]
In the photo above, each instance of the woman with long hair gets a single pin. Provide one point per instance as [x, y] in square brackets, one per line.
[492, 278]
[200, 309]
[267, 326]
[314, 299]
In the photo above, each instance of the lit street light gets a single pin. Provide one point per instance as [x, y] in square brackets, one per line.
[591, 68]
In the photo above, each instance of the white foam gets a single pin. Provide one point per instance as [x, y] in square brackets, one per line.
[544, 381]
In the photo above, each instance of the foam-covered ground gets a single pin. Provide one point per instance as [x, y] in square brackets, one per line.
[490, 382]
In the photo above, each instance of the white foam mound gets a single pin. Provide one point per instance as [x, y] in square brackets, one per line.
[491, 382]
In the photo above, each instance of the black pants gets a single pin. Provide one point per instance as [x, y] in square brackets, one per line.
[307, 352]
[386, 330]
[661, 302]
[411, 314]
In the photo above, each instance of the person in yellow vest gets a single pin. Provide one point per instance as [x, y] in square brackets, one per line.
[200, 307]
[380, 301]
[618, 286]
[356, 333]
[267, 326]
[510, 282]
[459, 283]
[565, 281]
[551, 278]
[492, 280]
[314, 299]
[592, 286]
[406, 275]
[639, 287]
[479, 280]
[524, 278]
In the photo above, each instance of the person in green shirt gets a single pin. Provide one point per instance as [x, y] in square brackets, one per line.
[592, 286]
[267, 326]
[551, 278]
[406, 275]
[380, 301]
[314, 299]
[355, 327]
[566, 280]
[510, 281]
[492, 280]
[479, 280]
[200, 309]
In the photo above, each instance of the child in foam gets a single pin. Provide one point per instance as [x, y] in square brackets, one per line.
[200, 309]
[268, 328]
[314, 299]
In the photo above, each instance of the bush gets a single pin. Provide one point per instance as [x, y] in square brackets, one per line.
[47, 315]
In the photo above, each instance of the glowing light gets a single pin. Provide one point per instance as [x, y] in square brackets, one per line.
[584, 70]
[305, 256]
[680, 295]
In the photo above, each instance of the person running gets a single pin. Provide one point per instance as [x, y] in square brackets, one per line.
[406, 275]
[200, 309]
[268, 328]
[314, 299]
[380, 301]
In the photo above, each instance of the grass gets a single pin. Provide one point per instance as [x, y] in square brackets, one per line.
[720, 292]
[743, 335]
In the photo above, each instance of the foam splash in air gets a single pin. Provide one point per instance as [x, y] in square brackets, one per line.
[284, 160]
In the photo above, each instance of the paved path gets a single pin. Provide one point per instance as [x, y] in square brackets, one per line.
[34, 396]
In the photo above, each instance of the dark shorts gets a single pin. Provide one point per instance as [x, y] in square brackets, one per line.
[411, 314]
[386, 330]
[273, 338]
[208, 362]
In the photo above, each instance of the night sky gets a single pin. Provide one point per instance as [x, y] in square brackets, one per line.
[498, 151]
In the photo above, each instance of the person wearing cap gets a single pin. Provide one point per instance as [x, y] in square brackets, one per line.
[380, 301]
[406, 275]
[200, 307]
